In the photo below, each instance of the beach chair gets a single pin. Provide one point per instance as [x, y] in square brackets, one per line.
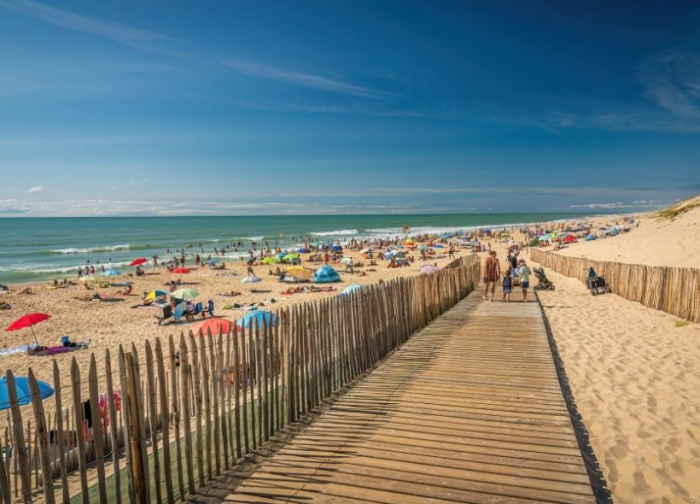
[596, 284]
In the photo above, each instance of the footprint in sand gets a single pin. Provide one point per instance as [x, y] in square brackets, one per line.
[619, 451]
[672, 445]
[613, 475]
[640, 482]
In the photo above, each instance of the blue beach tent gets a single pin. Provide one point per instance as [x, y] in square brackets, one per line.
[590, 237]
[326, 274]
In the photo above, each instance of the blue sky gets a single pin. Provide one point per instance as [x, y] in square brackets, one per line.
[169, 107]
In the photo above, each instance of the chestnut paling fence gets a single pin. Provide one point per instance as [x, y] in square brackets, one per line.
[156, 424]
[673, 290]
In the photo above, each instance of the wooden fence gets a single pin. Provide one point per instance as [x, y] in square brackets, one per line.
[164, 420]
[673, 290]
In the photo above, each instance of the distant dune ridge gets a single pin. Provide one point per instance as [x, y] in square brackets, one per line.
[670, 237]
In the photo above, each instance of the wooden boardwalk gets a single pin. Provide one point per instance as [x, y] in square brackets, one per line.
[469, 410]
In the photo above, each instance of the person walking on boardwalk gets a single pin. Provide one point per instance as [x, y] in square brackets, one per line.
[524, 278]
[492, 272]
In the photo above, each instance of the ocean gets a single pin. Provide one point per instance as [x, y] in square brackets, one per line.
[35, 249]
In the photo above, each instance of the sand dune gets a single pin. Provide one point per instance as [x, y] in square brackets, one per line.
[657, 242]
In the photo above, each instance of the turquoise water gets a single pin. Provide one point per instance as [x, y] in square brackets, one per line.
[34, 249]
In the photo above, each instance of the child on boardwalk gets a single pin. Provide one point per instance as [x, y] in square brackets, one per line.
[507, 286]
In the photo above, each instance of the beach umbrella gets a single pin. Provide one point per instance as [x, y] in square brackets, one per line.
[185, 294]
[181, 270]
[300, 272]
[28, 320]
[111, 272]
[351, 288]
[139, 261]
[155, 294]
[250, 279]
[248, 320]
[409, 241]
[215, 325]
[24, 395]
[429, 269]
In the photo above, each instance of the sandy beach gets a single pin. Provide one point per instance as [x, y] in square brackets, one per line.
[107, 324]
[632, 370]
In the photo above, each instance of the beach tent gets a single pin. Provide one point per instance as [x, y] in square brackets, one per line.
[350, 289]
[337, 248]
[181, 270]
[291, 257]
[215, 325]
[281, 255]
[346, 260]
[111, 272]
[248, 320]
[250, 279]
[24, 395]
[212, 261]
[269, 260]
[326, 274]
[186, 294]
[438, 246]
[303, 250]
[570, 239]
[590, 237]
[429, 269]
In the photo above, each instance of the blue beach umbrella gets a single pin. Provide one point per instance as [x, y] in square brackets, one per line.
[24, 395]
[248, 320]
[351, 288]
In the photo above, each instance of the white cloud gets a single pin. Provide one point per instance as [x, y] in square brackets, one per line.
[136, 38]
[301, 79]
[35, 189]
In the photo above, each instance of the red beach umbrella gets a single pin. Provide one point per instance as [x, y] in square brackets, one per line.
[181, 270]
[29, 320]
[139, 261]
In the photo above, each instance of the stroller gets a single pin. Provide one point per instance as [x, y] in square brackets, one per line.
[596, 284]
[543, 282]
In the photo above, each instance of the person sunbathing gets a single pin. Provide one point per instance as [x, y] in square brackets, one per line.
[230, 294]
[292, 290]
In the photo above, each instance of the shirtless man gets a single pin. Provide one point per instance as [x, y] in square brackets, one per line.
[492, 272]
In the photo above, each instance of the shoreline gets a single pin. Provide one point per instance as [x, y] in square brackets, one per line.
[321, 236]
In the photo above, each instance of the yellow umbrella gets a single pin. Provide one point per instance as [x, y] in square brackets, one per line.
[155, 293]
[300, 273]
